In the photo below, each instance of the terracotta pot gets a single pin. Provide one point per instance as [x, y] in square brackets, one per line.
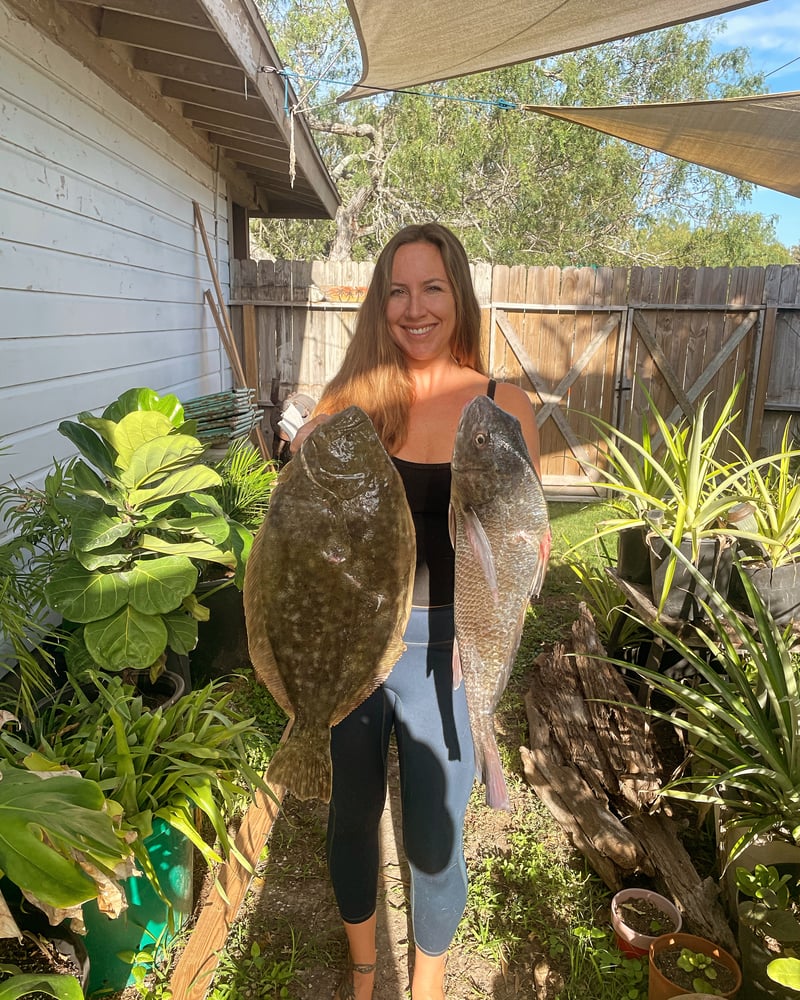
[634, 944]
[661, 988]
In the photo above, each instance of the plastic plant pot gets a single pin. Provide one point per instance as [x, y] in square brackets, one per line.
[635, 943]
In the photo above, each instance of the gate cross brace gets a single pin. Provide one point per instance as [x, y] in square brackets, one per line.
[551, 398]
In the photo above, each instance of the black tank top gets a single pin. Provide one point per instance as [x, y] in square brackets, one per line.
[427, 486]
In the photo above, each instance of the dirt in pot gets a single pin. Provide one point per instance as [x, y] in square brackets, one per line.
[695, 972]
[35, 954]
[646, 918]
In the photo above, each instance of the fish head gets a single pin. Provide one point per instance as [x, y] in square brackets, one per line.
[336, 455]
[490, 454]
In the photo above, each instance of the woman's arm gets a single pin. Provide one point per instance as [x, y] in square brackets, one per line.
[515, 401]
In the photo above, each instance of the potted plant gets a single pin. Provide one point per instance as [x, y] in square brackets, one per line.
[163, 770]
[639, 916]
[136, 519]
[770, 536]
[243, 494]
[685, 963]
[768, 912]
[742, 714]
[682, 497]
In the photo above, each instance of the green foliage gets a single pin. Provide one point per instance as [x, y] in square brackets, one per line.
[175, 763]
[769, 906]
[785, 972]
[742, 239]
[247, 972]
[517, 187]
[60, 839]
[701, 967]
[743, 714]
[135, 518]
[21, 984]
[246, 484]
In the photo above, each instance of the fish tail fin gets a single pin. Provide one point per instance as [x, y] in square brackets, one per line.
[492, 773]
[458, 673]
[302, 765]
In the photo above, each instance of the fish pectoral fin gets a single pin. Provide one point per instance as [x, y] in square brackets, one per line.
[481, 549]
[458, 673]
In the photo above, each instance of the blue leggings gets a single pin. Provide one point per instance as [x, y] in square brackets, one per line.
[437, 769]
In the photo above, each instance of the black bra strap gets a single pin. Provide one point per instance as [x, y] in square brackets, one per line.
[491, 387]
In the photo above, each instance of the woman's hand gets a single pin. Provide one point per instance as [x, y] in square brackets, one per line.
[306, 429]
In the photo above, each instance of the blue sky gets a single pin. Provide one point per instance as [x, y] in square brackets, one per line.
[771, 30]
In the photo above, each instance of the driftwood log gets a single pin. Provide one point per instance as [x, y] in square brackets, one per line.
[593, 762]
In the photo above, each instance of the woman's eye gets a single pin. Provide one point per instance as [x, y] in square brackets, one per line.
[397, 291]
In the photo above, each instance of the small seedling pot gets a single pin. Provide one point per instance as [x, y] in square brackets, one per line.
[635, 943]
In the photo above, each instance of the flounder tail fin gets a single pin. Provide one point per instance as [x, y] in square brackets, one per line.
[302, 765]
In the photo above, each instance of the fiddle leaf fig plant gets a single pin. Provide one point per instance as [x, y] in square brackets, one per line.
[140, 521]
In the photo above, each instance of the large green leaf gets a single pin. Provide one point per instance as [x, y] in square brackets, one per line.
[192, 549]
[30, 983]
[129, 638]
[145, 399]
[160, 585]
[88, 483]
[38, 815]
[90, 445]
[81, 595]
[134, 430]
[153, 461]
[181, 632]
[206, 527]
[197, 477]
[93, 527]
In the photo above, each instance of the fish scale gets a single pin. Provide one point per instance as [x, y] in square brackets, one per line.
[501, 538]
[327, 590]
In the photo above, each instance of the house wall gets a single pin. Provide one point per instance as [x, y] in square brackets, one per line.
[102, 270]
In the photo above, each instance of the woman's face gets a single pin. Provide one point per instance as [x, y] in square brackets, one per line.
[421, 310]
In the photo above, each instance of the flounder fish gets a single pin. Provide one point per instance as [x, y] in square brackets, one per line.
[501, 535]
[327, 590]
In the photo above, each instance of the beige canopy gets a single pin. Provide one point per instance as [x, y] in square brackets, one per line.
[410, 42]
[754, 138]
[407, 44]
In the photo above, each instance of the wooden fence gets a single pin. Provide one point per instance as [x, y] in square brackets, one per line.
[582, 342]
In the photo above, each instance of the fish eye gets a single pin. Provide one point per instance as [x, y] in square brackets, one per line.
[481, 439]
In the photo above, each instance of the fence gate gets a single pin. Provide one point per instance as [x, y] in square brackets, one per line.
[583, 342]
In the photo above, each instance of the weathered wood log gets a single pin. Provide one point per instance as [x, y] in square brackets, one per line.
[593, 763]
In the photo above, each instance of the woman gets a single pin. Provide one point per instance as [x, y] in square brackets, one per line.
[413, 364]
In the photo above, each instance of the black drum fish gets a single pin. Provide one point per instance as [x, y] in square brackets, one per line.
[501, 536]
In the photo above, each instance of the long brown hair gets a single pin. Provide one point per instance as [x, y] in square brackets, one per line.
[374, 374]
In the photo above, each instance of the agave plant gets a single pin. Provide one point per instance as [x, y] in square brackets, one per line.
[743, 716]
[772, 486]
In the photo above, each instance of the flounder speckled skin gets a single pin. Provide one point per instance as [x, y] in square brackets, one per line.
[502, 543]
[327, 591]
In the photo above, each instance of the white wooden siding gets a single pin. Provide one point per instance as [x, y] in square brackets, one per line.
[102, 270]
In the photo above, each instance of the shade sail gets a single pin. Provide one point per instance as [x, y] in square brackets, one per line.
[754, 138]
[410, 42]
